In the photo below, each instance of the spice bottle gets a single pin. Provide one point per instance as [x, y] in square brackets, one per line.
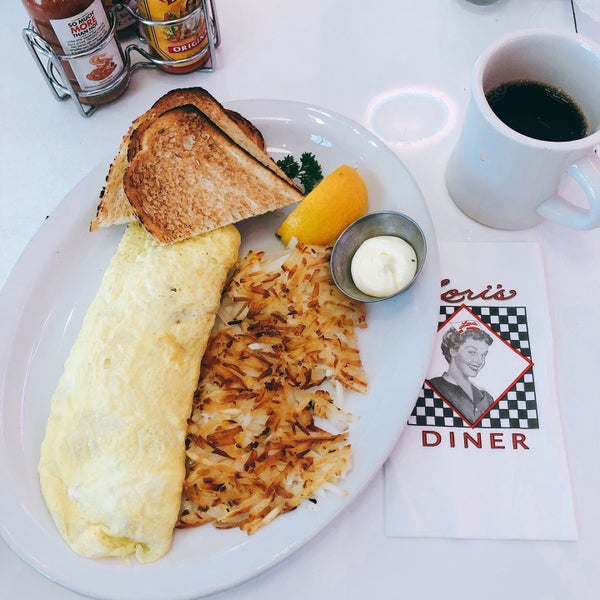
[126, 22]
[184, 39]
[80, 26]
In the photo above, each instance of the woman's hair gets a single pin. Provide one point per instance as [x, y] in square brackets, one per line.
[453, 340]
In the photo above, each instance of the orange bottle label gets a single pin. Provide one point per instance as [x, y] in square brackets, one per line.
[175, 41]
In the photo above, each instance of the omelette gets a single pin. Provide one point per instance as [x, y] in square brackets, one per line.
[112, 461]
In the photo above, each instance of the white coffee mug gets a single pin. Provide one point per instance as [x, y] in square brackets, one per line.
[507, 180]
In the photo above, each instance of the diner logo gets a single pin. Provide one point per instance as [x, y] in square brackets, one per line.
[480, 378]
[490, 292]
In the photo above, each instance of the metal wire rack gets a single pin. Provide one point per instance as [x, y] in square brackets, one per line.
[136, 54]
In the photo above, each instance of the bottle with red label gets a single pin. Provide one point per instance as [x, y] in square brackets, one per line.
[127, 24]
[82, 27]
[178, 32]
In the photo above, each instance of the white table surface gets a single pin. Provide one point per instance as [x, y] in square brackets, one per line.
[345, 56]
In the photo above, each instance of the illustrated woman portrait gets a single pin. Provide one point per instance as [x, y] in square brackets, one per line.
[465, 348]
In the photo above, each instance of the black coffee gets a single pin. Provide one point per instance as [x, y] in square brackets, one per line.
[538, 110]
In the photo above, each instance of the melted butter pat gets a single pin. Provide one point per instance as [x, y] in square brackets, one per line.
[383, 265]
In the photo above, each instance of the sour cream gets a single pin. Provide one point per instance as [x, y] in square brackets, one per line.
[383, 265]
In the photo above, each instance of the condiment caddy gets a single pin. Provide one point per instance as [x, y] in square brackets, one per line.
[99, 72]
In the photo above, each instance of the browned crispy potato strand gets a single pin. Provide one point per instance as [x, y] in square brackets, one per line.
[268, 429]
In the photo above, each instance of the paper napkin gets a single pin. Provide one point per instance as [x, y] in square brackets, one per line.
[482, 455]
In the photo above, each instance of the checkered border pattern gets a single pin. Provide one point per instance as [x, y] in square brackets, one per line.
[518, 408]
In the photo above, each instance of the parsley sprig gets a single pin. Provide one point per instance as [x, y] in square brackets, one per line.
[307, 171]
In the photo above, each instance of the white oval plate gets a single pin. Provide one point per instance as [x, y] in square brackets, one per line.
[41, 309]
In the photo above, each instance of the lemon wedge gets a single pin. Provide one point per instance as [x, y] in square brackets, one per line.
[339, 199]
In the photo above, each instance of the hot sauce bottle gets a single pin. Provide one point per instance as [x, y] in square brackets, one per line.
[174, 41]
[78, 26]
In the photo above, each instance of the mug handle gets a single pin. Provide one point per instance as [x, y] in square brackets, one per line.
[586, 173]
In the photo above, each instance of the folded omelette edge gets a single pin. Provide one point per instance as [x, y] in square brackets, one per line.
[112, 461]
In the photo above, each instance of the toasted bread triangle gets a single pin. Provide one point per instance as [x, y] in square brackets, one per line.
[114, 207]
[187, 176]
